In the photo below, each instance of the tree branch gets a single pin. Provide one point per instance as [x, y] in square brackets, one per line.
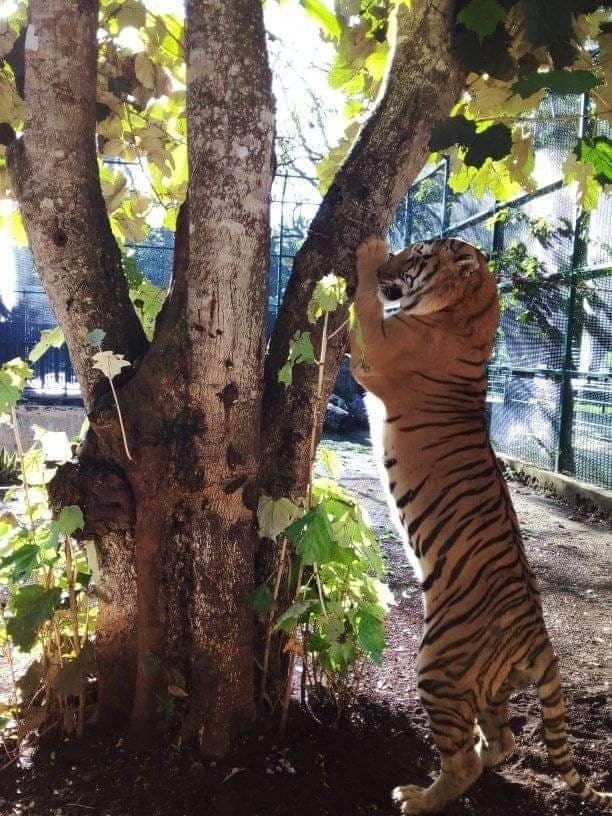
[55, 175]
[424, 81]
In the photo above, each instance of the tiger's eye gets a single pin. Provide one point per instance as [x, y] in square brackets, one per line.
[392, 292]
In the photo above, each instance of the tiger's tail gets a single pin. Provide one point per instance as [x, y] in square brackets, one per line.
[555, 735]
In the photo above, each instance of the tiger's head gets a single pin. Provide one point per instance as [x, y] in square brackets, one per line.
[433, 276]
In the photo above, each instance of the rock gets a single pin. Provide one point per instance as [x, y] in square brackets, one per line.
[335, 417]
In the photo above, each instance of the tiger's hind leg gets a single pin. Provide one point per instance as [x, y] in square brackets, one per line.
[497, 739]
[460, 764]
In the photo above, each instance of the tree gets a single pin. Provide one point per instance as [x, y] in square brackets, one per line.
[208, 425]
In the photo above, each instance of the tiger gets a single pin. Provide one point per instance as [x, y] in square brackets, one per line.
[484, 632]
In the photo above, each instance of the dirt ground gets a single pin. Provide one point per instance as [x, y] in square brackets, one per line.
[384, 740]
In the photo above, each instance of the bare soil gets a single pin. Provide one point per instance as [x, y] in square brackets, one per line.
[384, 740]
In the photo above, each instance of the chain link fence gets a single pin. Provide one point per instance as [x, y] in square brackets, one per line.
[550, 392]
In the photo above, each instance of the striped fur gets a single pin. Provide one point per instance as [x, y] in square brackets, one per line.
[484, 631]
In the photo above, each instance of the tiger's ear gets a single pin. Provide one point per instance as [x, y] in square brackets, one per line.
[466, 266]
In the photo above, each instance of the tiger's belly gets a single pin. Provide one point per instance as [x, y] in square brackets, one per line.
[459, 528]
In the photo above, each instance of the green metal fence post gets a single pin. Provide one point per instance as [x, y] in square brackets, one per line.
[564, 461]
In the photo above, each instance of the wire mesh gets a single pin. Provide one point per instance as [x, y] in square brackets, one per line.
[550, 379]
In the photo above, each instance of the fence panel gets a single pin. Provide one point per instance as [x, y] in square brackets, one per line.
[550, 393]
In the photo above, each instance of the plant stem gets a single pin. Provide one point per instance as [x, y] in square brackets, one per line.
[125, 444]
[315, 418]
[72, 599]
[21, 456]
[266, 657]
[313, 451]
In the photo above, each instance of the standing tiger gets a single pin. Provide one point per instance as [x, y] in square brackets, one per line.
[484, 633]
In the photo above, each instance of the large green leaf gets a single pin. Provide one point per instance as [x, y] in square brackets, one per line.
[324, 17]
[31, 606]
[9, 393]
[300, 351]
[70, 519]
[312, 536]
[453, 130]
[598, 152]
[275, 515]
[557, 82]
[328, 294]
[49, 338]
[22, 559]
[493, 143]
[300, 609]
[262, 599]
[370, 632]
[482, 16]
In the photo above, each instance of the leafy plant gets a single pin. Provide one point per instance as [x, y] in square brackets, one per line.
[48, 607]
[9, 467]
[330, 561]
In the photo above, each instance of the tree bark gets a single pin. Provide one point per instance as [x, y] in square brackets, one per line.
[424, 80]
[177, 519]
[230, 116]
[55, 176]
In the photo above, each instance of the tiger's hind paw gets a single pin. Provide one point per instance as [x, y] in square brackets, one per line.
[495, 751]
[412, 799]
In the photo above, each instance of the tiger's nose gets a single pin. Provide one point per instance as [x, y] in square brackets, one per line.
[392, 291]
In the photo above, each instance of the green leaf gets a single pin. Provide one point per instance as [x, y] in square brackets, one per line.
[109, 363]
[482, 16]
[35, 470]
[376, 62]
[326, 18]
[262, 599]
[598, 152]
[328, 294]
[331, 461]
[145, 70]
[583, 175]
[311, 536]
[24, 559]
[275, 515]
[9, 393]
[370, 632]
[96, 337]
[148, 300]
[557, 82]
[289, 619]
[451, 131]
[70, 519]
[131, 13]
[495, 142]
[71, 678]
[300, 351]
[355, 327]
[49, 338]
[31, 606]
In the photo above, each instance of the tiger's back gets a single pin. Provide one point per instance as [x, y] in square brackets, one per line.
[484, 630]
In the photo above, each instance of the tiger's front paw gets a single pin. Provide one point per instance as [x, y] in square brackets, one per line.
[412, 799]
[371, 254]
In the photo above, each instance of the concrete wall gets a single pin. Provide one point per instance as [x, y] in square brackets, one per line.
[57, 418]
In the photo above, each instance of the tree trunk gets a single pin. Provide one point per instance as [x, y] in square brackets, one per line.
[175, 522]
[424, 80]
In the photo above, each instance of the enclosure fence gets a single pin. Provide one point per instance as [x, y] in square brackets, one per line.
[550, 380]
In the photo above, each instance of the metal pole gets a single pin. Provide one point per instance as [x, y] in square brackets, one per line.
[564, 460]
[445, 204]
